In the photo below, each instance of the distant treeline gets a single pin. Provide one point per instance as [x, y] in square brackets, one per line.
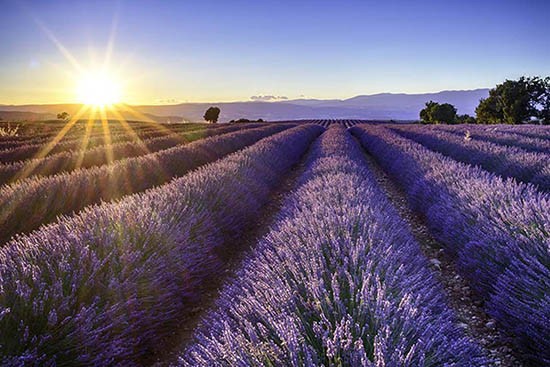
[242, 120]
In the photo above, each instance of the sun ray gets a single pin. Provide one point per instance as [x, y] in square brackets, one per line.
[106, 134]
[62, 49]
[86, 138]
[128, 128]
[141, 117]
[24, 173]
[138, 139]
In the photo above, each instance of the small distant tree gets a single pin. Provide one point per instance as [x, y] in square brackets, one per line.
[212, 114]
[63, 116]
[435, 113]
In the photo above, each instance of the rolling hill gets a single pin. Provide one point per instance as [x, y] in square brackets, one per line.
[383, 106]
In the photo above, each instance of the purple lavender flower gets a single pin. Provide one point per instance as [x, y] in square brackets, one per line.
[339, 280]
[497, 230]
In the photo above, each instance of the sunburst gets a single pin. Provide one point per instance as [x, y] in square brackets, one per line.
[98, 88]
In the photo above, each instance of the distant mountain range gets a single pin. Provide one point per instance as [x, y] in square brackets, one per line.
[384, 106]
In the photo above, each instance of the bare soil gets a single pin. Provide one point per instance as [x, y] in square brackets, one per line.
[471, 316]
[233, 257]
[476, 323]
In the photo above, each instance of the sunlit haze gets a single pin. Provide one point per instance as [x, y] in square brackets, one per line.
[177, 51]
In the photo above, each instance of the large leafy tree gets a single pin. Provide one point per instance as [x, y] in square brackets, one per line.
[435, 113]
[540, 98]
[516, 101]
[212, 114]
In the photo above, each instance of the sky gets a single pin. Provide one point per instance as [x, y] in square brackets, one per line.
[165, 52]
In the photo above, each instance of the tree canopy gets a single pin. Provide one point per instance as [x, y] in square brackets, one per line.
[63, 116]
[516, 102]
[436, 113]
[212, 114]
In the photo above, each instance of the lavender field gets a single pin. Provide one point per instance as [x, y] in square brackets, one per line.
[290, 243]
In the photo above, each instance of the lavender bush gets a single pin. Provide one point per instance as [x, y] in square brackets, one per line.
[532, 131]
[28, 150]
[505, 161]
[103, 287]
[497, 230]
[339, 281]
[45, 132]
[498, 135]
[71, 160]
[45, 198]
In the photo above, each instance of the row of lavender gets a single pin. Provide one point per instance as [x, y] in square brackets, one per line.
[339, 281]
[532, 131]
[103, 287]
[29, 203]
[327, 123]
[505, 161]
[52, 145]
[500, 135]
[496, 229]
[44, 132]
[71, 132]
[71, 160]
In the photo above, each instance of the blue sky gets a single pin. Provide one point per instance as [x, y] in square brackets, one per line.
[166, 51]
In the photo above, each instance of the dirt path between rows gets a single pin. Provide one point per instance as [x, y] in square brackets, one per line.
[233, 257]
[472, 318]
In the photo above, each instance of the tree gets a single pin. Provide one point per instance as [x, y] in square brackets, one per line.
[243, 120]
[435, 113]
[516, 102]
[488, 111]
[465, 119]
[212, 114]
[540, 98]
[63, 116]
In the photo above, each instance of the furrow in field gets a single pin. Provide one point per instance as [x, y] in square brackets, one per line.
[531, 131]
[232, 258]
[505, 161]
[94, 129]
[40, 138]
[27, 204]
[46, 147]
[338, 280]
[113, 280]
[71, 160]
[497, 136]
[466, 305]
[495, 230]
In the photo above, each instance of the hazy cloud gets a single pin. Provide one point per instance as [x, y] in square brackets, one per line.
[268, 98]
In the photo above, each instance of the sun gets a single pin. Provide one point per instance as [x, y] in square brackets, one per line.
[98, 89]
